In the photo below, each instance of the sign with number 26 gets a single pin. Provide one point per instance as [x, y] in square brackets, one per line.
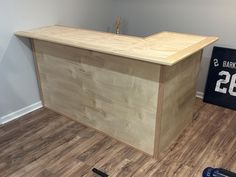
[221, 81]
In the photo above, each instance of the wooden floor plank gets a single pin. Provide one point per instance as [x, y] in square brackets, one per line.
[46, 144]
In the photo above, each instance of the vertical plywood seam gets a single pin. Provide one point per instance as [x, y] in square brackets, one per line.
[159, 113]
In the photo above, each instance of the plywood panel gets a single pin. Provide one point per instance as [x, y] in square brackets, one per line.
[112, 94]
[178, 89]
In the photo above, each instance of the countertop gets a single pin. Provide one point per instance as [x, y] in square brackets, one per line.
[165, 48]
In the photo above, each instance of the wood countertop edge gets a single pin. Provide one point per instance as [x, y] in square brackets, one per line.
[169, 61]
[192, 49]
[96, 49]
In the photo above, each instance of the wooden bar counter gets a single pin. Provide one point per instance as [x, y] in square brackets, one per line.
[140, 91]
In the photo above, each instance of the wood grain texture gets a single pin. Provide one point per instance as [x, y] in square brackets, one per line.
[160, 99]
[115, 95]
[165, 48]
[142, 104]
[177, 95]
[46, 144]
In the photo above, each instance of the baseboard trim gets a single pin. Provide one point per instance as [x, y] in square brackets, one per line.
[200, 95]
[20, 112]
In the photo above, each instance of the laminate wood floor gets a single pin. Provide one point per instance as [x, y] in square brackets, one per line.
[46, 144]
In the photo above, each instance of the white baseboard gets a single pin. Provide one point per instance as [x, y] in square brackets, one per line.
[199, 94]
[20, 112]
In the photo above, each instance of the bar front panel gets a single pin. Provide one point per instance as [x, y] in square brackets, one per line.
[115, 95]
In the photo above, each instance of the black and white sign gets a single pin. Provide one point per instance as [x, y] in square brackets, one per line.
[221, 82]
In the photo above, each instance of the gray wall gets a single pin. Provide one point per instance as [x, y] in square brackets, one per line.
[212, 17]
[18, 85]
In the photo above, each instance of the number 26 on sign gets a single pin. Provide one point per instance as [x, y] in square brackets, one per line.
[226, 80]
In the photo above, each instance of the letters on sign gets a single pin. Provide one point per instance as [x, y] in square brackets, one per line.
[221, 81]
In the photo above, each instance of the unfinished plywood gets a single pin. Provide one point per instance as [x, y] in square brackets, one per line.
[165, 48]
[177, 95]
[112, 94]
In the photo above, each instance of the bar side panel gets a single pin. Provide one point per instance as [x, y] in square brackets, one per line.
[112, 94]
[178, 99]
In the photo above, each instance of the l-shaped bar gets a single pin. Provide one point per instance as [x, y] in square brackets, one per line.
[140, 91]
